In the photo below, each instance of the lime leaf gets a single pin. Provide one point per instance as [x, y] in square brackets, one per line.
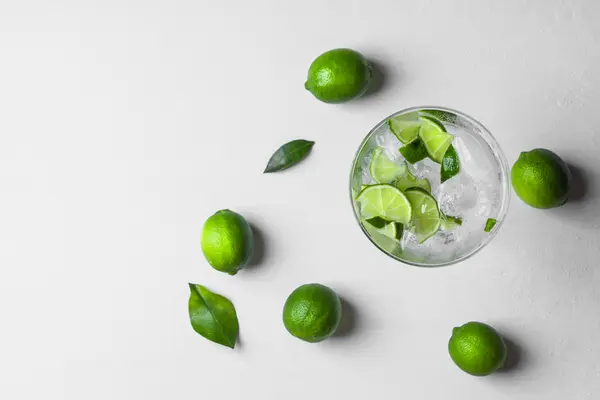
[426, 218]
[405, 127]
[450, 164]
[288, 155]
[385, 201]
[384, 170]
[213, 316]
[435, 138]
[414, 152]
[489, 225]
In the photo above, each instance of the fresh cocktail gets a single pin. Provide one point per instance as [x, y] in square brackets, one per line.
[429, 186]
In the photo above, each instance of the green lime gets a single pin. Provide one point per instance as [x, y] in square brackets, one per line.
[435, 138]
[477, 348]
[426, 217]
[541, 179]
[450, 223]
[387, 238]
[380, 226]
[227, 241]
[339, 75]
[414, 152]
[312, 312]
[377, 222]
[450, 164]
[489, 224]
[405, 127]
[408, 180]
[384, 170]
[385, 201]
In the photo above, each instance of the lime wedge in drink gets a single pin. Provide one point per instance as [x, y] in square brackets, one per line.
[405, 127]
[408, 180]
[450, 164]
[390, 229]
[377, 222]
[450, 223]
[414, 152]
[384, 170]
[435, 138]
[489, 224]
[385, 201]
[426, 218]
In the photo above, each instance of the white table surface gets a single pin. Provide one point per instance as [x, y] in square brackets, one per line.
[125, 124]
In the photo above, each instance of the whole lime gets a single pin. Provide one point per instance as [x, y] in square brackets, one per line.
[541, 179]
[339, 75]
[227, 241]
[312, 312]
[477, 348]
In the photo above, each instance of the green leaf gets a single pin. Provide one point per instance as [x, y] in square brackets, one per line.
[288, 155]
[489, 225]
[450, 164]
[414, 152]
[213, 316]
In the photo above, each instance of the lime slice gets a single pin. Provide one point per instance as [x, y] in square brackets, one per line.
[450, 223]
[426, 218]
[384, 170]
[405, 127]
[408, 180]
[385, 201]
[392, 230]
[435, 138]
[386, 239]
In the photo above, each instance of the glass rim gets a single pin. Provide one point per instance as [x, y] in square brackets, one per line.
[489, 138]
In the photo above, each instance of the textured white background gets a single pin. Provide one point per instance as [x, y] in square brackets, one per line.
[125, 124]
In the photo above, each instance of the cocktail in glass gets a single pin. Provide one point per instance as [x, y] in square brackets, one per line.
[400, 201]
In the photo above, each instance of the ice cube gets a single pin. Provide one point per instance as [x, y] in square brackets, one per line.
[476, 157]
[457, 194]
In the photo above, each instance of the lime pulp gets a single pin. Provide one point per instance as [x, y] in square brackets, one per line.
[405, 127]
[384, 170]
[426, 217]
[435, 138]
[408, 180]
[385, 201]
